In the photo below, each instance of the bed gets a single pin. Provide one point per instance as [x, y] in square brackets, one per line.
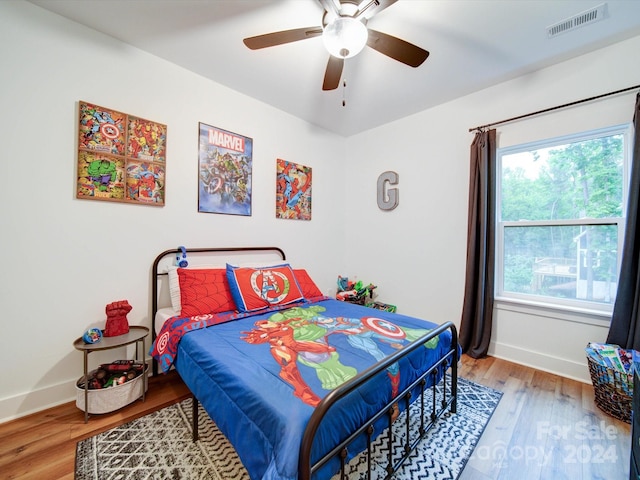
[299, 383]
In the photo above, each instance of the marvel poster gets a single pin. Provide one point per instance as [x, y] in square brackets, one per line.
[121, 157]
[224, 180]
[293, 190]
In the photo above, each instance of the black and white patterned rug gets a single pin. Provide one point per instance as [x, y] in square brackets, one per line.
[158, 446]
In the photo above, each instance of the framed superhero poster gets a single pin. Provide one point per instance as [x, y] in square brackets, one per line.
[225, 161]
[293, 190]
[121, 157]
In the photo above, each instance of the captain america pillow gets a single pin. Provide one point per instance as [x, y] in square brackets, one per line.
[259, 288]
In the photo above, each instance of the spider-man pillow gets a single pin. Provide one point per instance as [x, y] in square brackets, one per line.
[307, 286]
[259, 288]
[204, 291]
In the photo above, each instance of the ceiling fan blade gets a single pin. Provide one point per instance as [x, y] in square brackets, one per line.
[374, 7]
[279, 38]
[333, 73]
[397, 48]
[331, 6]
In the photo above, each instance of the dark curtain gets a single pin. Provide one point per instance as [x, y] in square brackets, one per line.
[477, 309]
[624, 329]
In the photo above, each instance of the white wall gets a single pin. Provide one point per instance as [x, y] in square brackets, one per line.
[64, 259]
[416, 253]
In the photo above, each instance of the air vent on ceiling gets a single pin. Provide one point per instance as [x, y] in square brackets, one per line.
[587, 17]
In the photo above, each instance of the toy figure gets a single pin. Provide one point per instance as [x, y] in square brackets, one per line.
[354, 292]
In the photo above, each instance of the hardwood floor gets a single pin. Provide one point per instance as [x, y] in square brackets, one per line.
[545, 427]
[42, 446]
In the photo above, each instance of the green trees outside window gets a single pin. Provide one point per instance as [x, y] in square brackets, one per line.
[560, 218]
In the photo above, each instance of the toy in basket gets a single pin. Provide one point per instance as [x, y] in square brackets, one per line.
[112, 386]
[611, 369]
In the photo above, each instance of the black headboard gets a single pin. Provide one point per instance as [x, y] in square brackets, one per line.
[156, 275]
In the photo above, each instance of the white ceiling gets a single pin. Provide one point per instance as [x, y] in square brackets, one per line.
[473, 44]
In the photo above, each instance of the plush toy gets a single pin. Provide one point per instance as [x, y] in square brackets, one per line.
[117, 323]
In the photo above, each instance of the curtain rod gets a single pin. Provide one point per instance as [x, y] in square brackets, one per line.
[482, 127]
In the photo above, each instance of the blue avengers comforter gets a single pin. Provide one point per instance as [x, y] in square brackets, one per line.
[260, 376]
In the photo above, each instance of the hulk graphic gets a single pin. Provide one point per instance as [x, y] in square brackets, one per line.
[308, 327]
[301, 335]
[101, 173]
[293, 338]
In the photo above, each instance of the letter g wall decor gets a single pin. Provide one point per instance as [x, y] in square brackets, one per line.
[387, 197]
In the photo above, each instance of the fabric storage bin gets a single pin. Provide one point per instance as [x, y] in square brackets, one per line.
[109, 399]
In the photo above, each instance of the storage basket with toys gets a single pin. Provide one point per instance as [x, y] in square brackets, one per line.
[112, 386]
[612, 369]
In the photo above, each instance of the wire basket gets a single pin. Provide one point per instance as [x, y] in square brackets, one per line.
[613, 390]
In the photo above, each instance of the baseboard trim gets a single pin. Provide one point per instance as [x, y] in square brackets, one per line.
[41, 399]
[35, 401]
[547, 363]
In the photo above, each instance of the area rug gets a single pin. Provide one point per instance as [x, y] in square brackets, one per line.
[158, 446]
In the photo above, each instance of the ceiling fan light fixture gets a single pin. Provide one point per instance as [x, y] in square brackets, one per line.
[345, 37]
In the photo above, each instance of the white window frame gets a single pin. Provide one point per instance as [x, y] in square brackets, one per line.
[551, 303]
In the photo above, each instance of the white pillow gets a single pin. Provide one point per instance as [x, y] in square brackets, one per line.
[174, 289]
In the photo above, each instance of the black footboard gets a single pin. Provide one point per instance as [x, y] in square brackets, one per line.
[426, 421]
[448, 401]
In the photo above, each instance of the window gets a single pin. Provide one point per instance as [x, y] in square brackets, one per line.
[560, 220]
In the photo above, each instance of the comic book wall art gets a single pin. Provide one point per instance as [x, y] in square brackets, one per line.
[121, 157]
[293, 190]
[225, 161]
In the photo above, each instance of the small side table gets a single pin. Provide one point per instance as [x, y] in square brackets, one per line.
[137, 334]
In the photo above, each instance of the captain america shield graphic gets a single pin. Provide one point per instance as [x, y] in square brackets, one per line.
[384, 327]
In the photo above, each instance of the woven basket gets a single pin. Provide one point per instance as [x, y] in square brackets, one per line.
[613, 390]
[113, 398]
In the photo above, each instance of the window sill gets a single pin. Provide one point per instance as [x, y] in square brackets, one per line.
[569, 314]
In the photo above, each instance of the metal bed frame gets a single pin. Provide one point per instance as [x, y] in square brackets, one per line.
[428, 417]
[156, 275]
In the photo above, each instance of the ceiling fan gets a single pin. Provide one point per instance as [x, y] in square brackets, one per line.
[345, 34]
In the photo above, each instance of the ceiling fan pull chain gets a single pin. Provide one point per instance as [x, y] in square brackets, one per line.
[344, 87]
